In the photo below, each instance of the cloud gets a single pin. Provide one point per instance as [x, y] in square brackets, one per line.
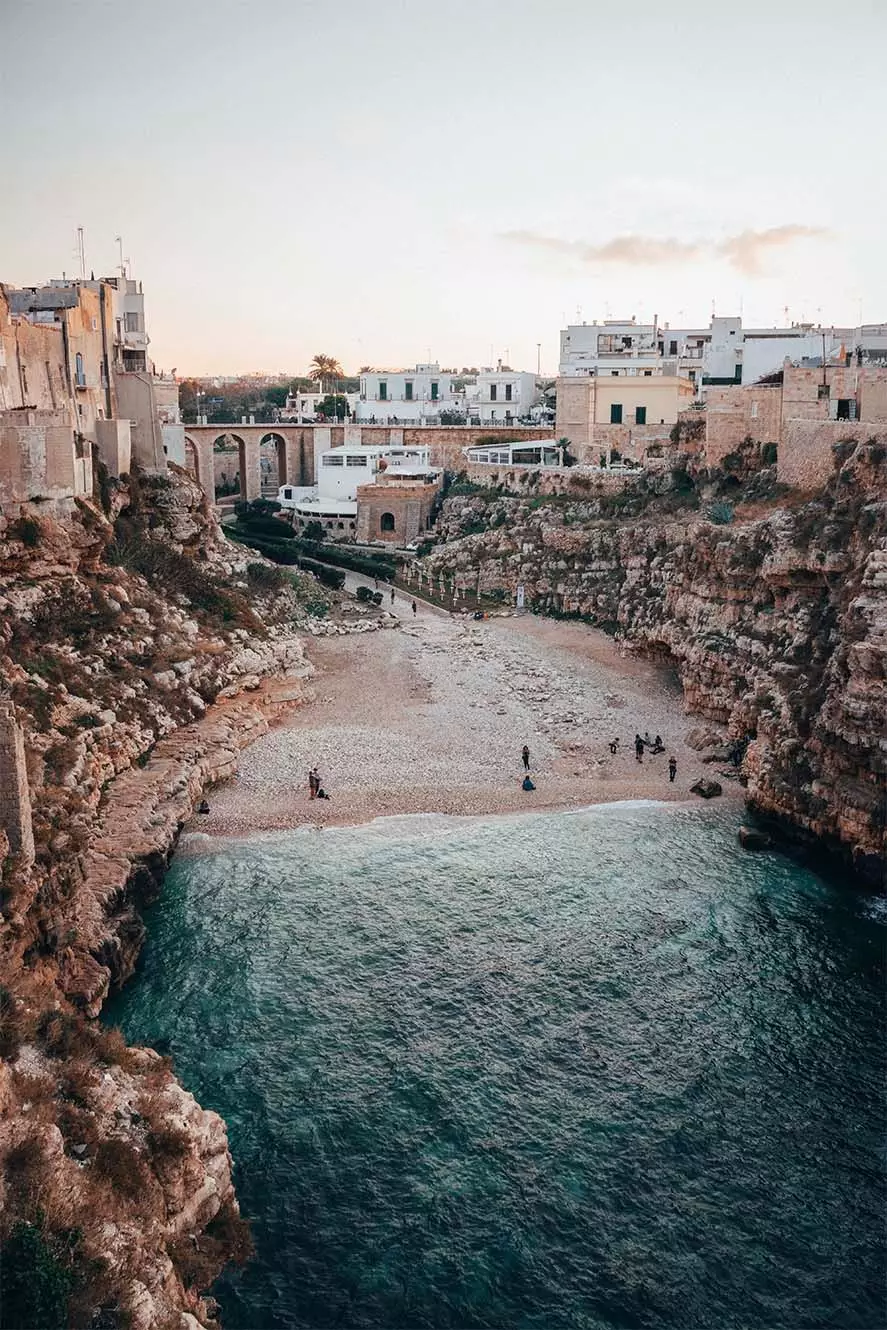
[744, 252]
[747, 250]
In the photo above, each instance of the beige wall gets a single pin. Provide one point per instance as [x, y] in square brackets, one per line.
[584, 405]
[410, 506]
[734, 414]
[40, 458]
[136, 403]
[663, 397]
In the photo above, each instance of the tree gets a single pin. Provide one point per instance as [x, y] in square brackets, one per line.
[333, 408]
[324, 369]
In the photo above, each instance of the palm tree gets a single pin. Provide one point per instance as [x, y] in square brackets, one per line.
[325, 367]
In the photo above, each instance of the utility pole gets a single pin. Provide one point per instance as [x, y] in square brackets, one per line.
[538, 360]
[81, 252]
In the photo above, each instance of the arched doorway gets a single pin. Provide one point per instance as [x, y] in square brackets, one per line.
[272, 463]
[229, 466]
[386, 522]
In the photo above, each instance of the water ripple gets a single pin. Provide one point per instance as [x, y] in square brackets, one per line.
[598, 1070]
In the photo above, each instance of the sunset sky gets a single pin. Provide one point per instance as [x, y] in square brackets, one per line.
[388, 180]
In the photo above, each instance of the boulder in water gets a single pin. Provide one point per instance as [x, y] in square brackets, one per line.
[752, 839]
[705, 788]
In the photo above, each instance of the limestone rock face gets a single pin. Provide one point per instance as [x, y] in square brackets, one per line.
[139, 663]
[775, 622]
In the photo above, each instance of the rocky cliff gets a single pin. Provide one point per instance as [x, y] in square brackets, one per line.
[137, 653]
[772, 607]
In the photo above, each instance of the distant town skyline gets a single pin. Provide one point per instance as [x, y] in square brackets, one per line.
[389, 183]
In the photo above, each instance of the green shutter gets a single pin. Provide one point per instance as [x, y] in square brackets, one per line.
[616, 413]
[640, 415]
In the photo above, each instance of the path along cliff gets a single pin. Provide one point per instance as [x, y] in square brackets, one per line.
[139, 652]
[771, 606]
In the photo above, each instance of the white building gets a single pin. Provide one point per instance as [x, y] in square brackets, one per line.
[333, 500]
[529, 452]
[501, 396]
[302, 407]
[407, 395]
[722, 353]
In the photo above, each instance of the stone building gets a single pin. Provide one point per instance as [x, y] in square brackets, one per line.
[395, 509]
[804, 414]
[598, 414]
[75, 381]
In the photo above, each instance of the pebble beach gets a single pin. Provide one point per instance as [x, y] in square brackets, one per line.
[430, 716]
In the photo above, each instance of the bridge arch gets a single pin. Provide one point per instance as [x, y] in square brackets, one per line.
[273, 460]
[227, 481]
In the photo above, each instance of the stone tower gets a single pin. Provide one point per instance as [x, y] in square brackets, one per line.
[15, 799]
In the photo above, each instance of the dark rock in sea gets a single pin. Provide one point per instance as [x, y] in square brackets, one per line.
[705, 788]
[752, 839]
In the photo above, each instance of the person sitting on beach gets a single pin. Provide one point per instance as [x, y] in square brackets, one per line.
[527, 784]
[658, 746]
[614, 744]
[647, 740]
[322, 794]
[203, 806]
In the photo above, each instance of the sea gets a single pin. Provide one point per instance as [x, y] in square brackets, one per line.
[589, 1070]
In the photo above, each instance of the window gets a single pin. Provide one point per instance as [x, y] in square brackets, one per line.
[640, 415]
[79, 376]
[492, 415]
[131, 322]
[386, 522]
[672, 348]
[614, 374]
[616, 413]
[508, 391]
[434, 390]
[383, 392]
[846, 408]
[24, 376]
[492, 392]
[823, 392]
[408, 390]
[648, 374]
[354, 460]
[287, 494]
[754, 410]
[332, 461]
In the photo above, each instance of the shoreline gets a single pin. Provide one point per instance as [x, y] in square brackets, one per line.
[432, 719]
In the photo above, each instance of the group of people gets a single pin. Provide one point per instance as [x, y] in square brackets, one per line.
[655, 746]
[315, 789]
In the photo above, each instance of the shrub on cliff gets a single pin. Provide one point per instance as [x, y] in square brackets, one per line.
[263, 578]
[36, 1279]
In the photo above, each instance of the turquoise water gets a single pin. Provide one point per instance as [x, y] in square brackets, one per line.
[594, 1070]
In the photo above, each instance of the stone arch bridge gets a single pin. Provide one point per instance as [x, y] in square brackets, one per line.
[298, 447]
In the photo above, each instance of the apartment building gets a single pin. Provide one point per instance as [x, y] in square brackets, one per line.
[501, 396]
[407, 395]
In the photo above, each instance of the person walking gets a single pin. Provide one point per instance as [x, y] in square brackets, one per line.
[525, 754]
[392, 595]
[672, 768]
[639, 748]
[414, 607]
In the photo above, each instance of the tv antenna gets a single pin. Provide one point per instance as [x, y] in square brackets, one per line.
[81, 252]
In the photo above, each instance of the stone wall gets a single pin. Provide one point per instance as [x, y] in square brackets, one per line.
[409, 505]
[734, 414]
[15, 800]
[806, 453]
[40, 458]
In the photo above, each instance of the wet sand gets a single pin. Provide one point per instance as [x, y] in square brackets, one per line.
[432, 718]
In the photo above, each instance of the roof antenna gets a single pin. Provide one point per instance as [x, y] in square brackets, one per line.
[81, 252]
[121, 265]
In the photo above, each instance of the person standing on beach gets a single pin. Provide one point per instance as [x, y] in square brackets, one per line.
[525, 754]
[313, 783]
[672, 768]
[639, 748]
[392, 595]
[414, 607]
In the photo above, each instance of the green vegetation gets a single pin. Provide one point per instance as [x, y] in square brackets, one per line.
[36, 1278]
[720, 513]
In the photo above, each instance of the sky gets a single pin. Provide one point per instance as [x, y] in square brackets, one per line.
[389, 181]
